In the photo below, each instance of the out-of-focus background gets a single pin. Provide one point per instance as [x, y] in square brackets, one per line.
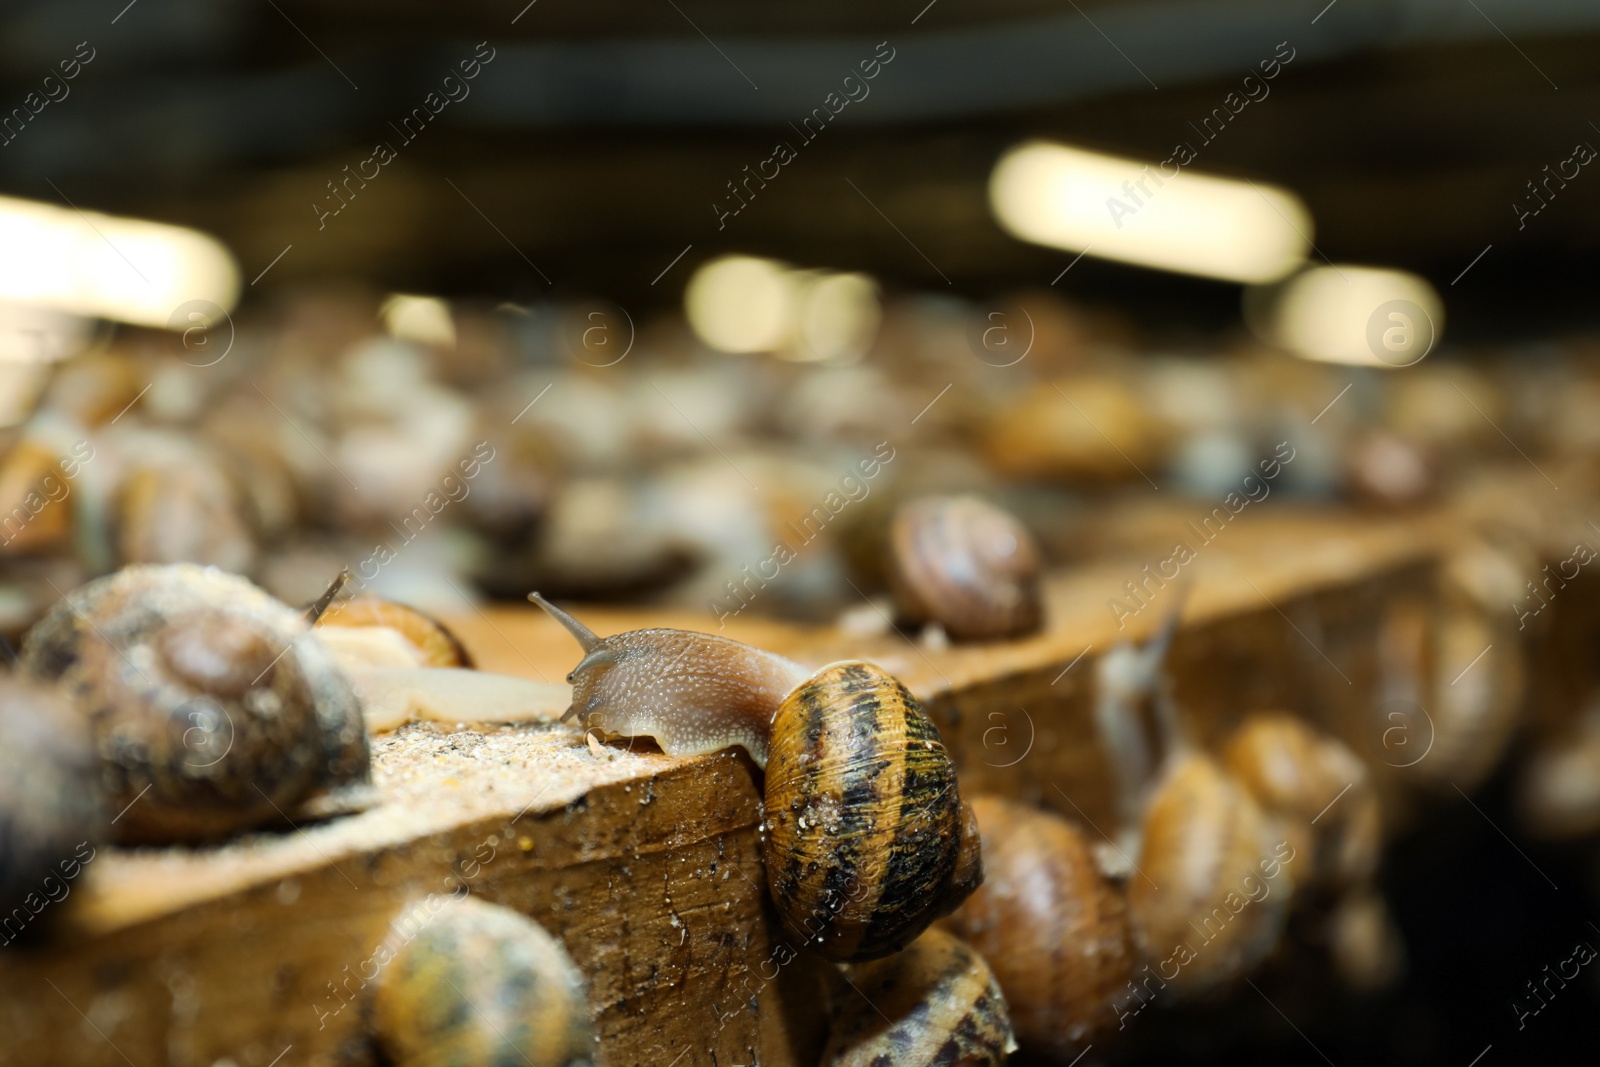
[614, 300]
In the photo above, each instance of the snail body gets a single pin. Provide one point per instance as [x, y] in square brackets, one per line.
[206, 706]
[479, 986]
[942, 1004]
[966, 565]
[868, 839]
[1053, 928]
[47, 816]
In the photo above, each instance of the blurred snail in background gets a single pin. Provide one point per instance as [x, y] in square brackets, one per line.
[405, 665]
[1053, 928]
[49, 807]
[1461, 662]
[868, 840]
[210, 715]
[1208, 895]
[1318, 785]
[478, 985]
[937, 1002]
[966, 565]
[1558, 785]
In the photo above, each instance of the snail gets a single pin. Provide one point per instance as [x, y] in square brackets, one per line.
[1317, 784]
[210, 715]
[1558, 785]
[1053, 928]
[1209, 890]
[966, 565]
[1462, 668]
[182, 512]
[937, 1002]
[405, 665]
[1363, 941]
[478, 985]
[49, 807]
[868, 840]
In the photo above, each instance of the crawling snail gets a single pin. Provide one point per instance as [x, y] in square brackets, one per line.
[210, 715]
[966, 565]
[935, 1003]
[1053, 928]
[868, 839]
[1208, 893]
[405, 665]
[49, 808]
[478, 986]
[1317, 784]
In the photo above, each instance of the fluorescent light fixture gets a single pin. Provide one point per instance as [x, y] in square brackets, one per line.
[1153, 215]
[743, 304]
[839, 317]
[103, 266]
[423, 319]
[1347, 314]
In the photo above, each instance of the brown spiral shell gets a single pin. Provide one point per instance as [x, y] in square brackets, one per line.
[867, 838]
[209, 714]
[183, 512]
[1211, 890]
[478, 985]
[966, 565]
[1316, 781]
[49, 808]
[436, 646]
[1053, 928]
[935, 1003]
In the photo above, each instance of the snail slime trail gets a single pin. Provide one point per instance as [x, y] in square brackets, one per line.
[853, 488]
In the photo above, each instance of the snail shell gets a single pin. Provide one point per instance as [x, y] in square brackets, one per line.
[48, 803]
[1364, 942]
[209, 714]
[1212, 888]
[479, 985]
[1318, 783]
[1054, 929]
[942, 1006]
[867, 838]
[966, 565]
[426, 638]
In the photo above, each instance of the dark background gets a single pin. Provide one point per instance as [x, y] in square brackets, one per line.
[595, 142]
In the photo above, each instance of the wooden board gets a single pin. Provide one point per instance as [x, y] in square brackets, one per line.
[648, 867]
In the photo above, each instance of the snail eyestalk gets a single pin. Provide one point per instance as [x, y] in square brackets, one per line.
[321, 604]
[584, 636]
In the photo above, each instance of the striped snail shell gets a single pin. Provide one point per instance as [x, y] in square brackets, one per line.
[209, 714]
[966, 565]
[49, 807]
[942, 1006]
[868, 839]
[1052, 927]
[478, 985]
[1318, 784]
[1210, 892]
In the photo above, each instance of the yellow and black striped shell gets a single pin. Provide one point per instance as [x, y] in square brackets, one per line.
[470, 984]
[210, 713]
[867, 838]
[966, 565]
[936, 1003]
[50, 815]
[1210, 894]
[1053, 928]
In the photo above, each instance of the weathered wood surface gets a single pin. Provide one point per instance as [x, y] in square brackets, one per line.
[648, 867]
